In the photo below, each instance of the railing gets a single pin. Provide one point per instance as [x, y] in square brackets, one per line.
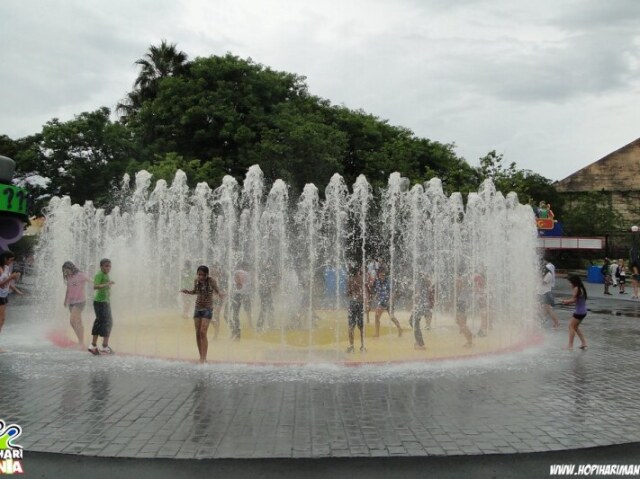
[547, 242]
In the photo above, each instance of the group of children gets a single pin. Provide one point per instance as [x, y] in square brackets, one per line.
[75, 300]
[373, 289]
[374, 292]
[207, 308]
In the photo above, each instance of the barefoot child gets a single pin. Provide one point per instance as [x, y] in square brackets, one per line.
[423, 304]
[463, 301]
[203, 287]
[75, 297]
[7, 276]
[546, 293]
[355, 292]
[579, 298]
[382, 289]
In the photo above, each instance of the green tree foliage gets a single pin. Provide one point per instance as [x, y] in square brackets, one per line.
[299, 148]
[165, 169]
[8, 147]
[217, 112]
[159, 62]
[589, 214]
[234, 113]
[218, 115]
[84, 157]
[530, 187]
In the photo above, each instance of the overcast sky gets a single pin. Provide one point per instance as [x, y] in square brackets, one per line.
[553, 85]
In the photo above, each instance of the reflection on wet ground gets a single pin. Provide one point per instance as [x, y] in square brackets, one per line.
[617, 312]
[542, 399]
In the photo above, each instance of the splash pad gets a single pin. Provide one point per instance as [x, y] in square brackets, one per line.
[292, 250]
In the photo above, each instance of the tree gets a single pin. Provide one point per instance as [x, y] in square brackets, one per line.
[159, 62]
[217, 110]
[166, 167]
[299, 149]
[530, 187]
[591, 214]
[83, 158]
[8, 147]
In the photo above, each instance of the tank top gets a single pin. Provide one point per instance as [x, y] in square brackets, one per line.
[581, 305]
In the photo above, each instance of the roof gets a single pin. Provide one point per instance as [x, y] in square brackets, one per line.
[617, 171]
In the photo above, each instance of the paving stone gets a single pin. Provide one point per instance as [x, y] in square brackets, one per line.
[543, 400]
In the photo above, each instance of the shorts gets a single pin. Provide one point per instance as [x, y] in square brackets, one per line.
[384, 305]
[462, 306]
[622, 280]
[80, 306]
[103, 322]
[636, 277]
[204, 313]
[547, 298]
[4, 300]
[579, 317]
[422, 310]
[356, 314]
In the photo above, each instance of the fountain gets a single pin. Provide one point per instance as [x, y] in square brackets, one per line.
[298, 253]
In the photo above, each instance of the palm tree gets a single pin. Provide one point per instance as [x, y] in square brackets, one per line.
[129, 106]
[159, 62]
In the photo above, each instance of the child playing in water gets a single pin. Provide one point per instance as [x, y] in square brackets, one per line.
[355, 292]
[423, 303]
[579, 298]
[203, 287]
[546, 294]
[102, 307]
[463, 300]
[7, 276]
[382, 289]
[75, 297]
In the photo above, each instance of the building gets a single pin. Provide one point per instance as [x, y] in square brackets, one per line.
[616, 174]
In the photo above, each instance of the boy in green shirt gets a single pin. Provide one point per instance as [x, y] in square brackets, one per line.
[103, 323]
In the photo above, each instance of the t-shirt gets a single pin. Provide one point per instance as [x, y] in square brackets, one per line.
[76, 288]
[552, 269]
[547, 283]
[204, 292]
[242, 282]
[4, 290]
[613, 269]
[382, 288]
[102, 294]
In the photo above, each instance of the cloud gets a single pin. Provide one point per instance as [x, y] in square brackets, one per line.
[550, 84]
[67, 57]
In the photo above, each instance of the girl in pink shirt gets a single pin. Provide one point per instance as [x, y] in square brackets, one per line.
[75, 297]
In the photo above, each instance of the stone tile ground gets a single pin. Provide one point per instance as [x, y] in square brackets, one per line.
[543, 399]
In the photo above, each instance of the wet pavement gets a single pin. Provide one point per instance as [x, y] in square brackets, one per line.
[542, 399]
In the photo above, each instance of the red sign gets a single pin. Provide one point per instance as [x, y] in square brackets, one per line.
[544, 223]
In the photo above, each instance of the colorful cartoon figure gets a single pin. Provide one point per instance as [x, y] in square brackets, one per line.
[8, 434]
[13, 205]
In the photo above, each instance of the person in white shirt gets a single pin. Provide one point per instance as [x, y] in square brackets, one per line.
[613, 268]
[241, 296]
[7, 276]
[621, 274]
[546, 295]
